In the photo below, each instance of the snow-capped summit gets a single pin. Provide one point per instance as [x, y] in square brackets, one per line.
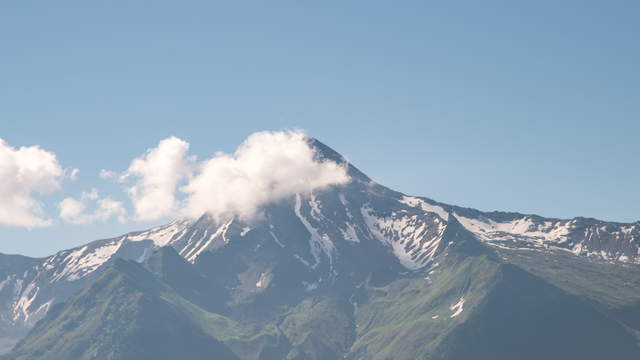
[328, 236]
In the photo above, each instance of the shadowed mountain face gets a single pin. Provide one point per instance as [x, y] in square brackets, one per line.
[122, 315]
[356, 271]
[473, 305]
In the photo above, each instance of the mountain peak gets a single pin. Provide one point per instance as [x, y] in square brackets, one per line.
[308, 243]
[324, 152]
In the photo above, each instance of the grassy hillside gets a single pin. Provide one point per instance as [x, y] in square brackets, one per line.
[476, 304]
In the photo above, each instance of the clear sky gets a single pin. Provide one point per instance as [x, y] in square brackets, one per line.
[528, 106]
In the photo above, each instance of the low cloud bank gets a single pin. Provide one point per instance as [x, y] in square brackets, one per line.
[166, 181]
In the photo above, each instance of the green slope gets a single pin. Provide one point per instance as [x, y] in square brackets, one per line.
[508, 313]
[525, 317]
[612, 287]
[476, 304]
[121, 316]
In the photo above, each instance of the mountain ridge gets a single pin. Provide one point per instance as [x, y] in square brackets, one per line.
[332, 239]
[468, 306]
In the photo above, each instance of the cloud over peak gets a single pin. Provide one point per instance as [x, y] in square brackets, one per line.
[266, 167]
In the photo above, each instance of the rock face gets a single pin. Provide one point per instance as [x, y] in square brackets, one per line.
[332, 241]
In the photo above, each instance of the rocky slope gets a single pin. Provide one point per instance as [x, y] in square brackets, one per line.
[331, 241]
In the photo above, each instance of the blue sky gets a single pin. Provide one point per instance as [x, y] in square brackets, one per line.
[498, 105]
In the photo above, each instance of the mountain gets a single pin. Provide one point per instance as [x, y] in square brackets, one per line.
[357, 271]
[123, 316]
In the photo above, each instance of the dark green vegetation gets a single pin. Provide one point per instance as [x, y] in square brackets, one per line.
[511, 305]
[123, 315]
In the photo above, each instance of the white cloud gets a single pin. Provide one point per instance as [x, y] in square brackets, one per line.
[156, 175]
[266, 167]
[73, 175]
[108, 174]
[108, 207]
[74, 211]
[92, 194]
[71, 210]
[26, 172]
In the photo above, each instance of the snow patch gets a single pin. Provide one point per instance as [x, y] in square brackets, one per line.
[457, 307]
[275, 238]
[309, 286]
[350, 234]
[522, 228]
[161, 236]
[419, 203]
[305, 262]
[319, 242]
[261, 280]
[199, 248]
[80, 262]
[412, 239]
